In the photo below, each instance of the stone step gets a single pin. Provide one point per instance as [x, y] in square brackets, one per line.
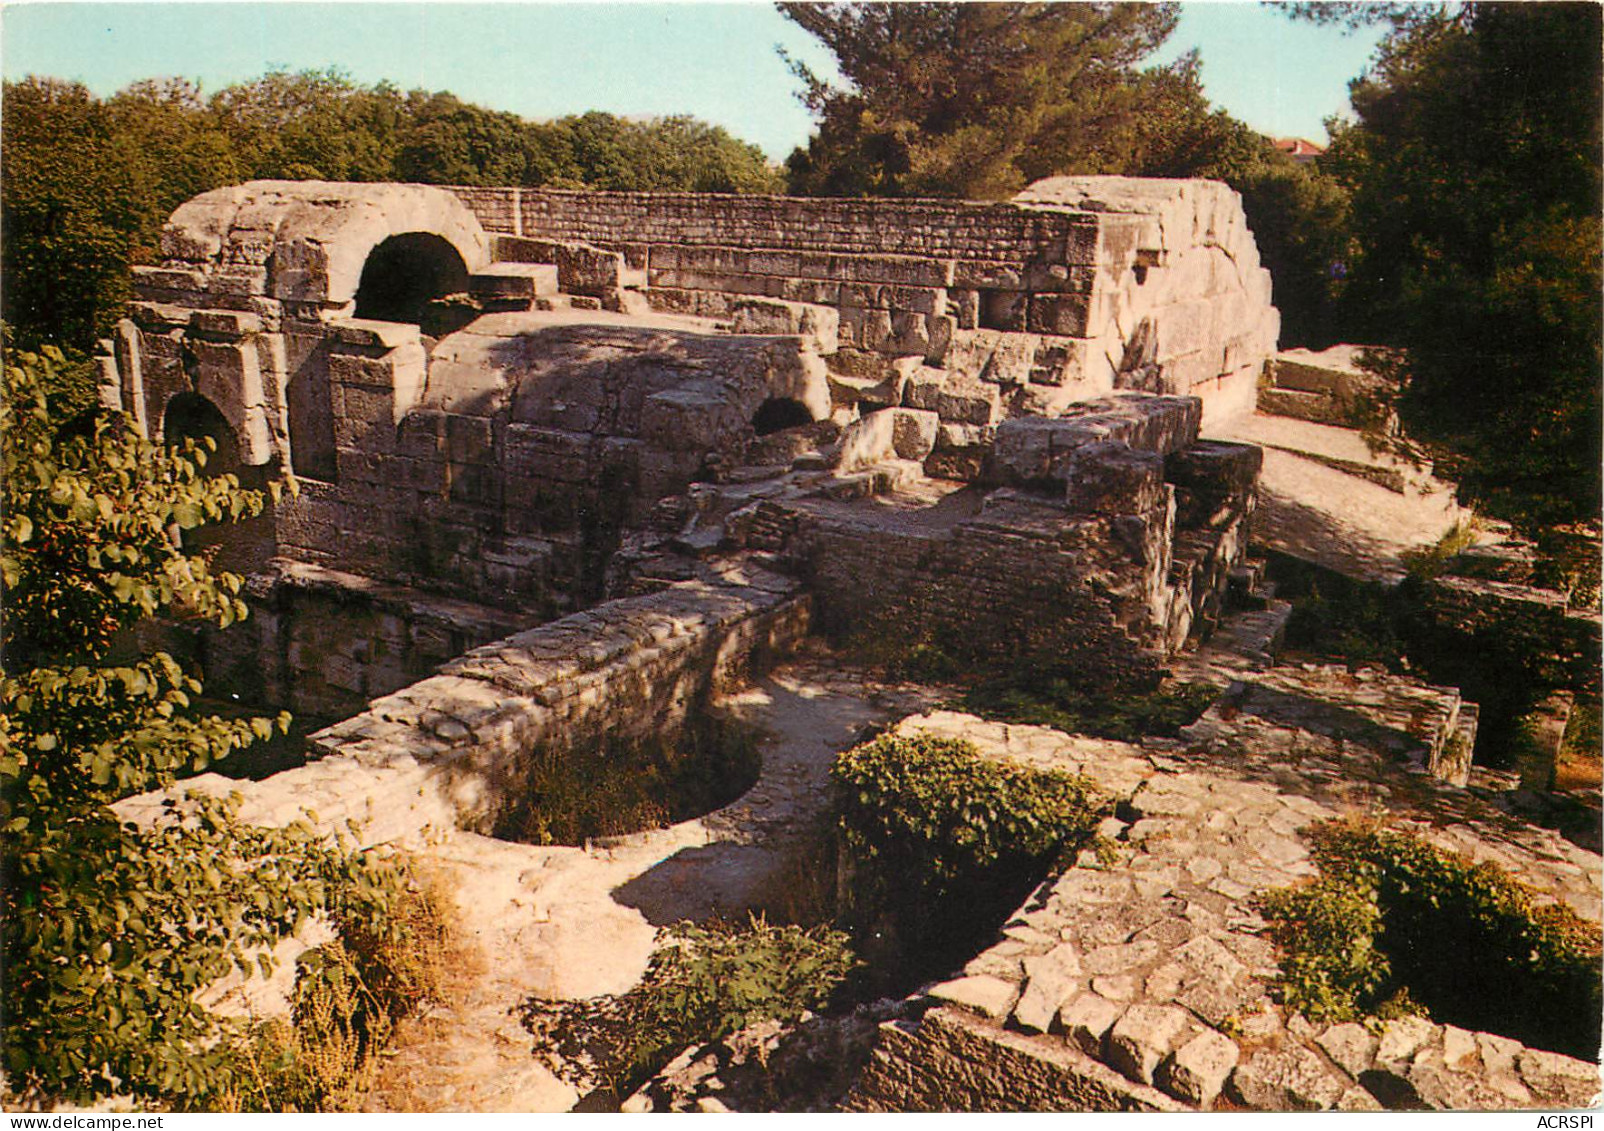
[1244, 641]
[883, 478]
[1319, 408]
[514, 280]
[1412, 722]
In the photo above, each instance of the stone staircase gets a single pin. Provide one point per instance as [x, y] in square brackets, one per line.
[1325, 387]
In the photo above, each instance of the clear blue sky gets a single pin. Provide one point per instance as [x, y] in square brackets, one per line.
[714, 60]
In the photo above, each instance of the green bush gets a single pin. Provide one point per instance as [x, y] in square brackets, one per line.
[709, 981]
[110, 930]
[1395, 925]
[942, 843]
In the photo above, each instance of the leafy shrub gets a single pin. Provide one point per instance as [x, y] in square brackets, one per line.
[709, 981]
[108, 930]
[1026, 697]
[942, 843]
[1394, 925]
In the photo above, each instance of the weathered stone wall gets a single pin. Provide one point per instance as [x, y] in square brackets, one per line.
[501, 462]
[1078, 286]
[322, 642]
[1088, 559]
[445, 749]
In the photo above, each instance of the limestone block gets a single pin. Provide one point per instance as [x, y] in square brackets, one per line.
[232, 281]
[586, 270]
[1559, 1080]
[979, 993]
[224, 323]
[694, 416]
[1199, 1068]
[1351, 1046]
[1290, 1078]
[1186, 327]
[1087, 1019]
[517, 281]
[1401, 1038]
[372, 333]
[993, 356]
[964, 306]
[1110, 478]
[1212, 478]
[171, 279]
[914, 433]
[229, 375]
[978, 275]
[1143, 1037]
[819, 326]
[1051, 979]
[790, 369]
[869, 440]
[1066, 315]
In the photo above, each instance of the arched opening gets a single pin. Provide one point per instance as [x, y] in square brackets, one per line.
[190, 416]
[405, 273]
[243, 546]
[779, 413]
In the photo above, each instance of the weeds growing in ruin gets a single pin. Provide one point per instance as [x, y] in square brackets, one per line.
[706, 982]
[349, 995]
[618, 786]
[1394, 926]
[1026, 697]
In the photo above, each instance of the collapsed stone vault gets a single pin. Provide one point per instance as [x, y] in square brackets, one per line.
[574, 464]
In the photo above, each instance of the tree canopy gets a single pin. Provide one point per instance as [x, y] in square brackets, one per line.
[977, 100]
[86, 183]
[1474, 173]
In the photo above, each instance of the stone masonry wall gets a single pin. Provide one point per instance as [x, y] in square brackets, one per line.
[322, 642]
[443, 750]
[1111, 548]
[1076, 287]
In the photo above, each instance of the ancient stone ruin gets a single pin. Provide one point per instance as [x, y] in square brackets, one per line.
[576, 466]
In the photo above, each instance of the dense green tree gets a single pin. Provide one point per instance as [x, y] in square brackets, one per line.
[1474, 169]
[447, 141]
[109, 931]
[313, 125]
[976, 100]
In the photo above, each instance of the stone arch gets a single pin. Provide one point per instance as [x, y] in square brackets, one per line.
[314, 237]
[404, 273]
[326, 237]
[190, 416]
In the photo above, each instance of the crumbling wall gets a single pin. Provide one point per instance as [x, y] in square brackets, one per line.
[444, 750]
[322, 643]
[1077, 287]
[1109, 546]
